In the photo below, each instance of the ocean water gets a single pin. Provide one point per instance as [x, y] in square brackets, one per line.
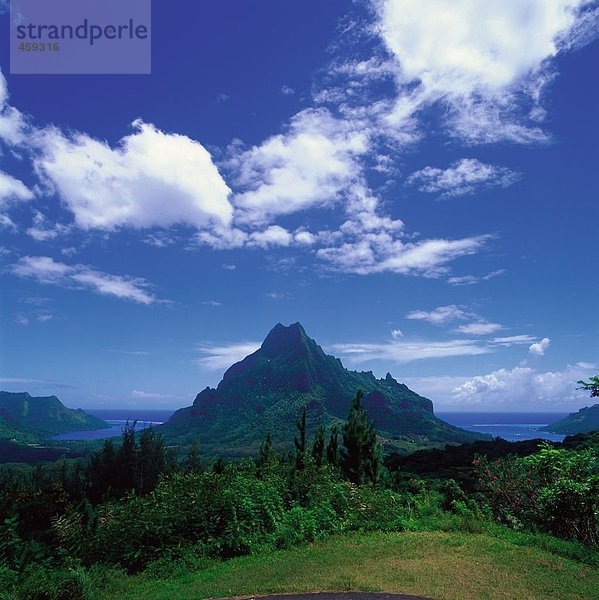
[513, 427]
[118, 419]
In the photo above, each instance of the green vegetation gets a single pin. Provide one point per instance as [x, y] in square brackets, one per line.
[136, 520]
[592, 385]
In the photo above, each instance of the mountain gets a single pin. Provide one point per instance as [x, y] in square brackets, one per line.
[24, 417]
[266, 392]
[583, 421]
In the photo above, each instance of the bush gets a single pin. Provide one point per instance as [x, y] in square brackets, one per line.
[554, 490]
[41, 584]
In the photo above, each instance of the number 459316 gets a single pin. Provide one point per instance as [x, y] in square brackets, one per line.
[39, 47]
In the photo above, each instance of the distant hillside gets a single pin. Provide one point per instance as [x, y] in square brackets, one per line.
[583, 421]
[9, 433]
[266, 391]
[24, 417]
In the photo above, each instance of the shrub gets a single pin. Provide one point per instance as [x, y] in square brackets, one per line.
[554, 490]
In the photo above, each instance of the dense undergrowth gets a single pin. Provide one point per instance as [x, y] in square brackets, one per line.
[69, 531]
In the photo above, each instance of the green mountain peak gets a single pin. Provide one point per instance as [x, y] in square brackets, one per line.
[266, 391]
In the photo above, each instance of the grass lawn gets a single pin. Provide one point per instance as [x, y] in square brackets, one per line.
[445, 566]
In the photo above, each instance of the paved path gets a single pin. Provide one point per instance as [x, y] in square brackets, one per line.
[338, 596]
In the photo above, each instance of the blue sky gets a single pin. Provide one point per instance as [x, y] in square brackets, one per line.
[416, 183]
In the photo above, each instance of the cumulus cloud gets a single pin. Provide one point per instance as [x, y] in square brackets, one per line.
[46, 270]
[524, 388]
[310, 165]
[151, 179]
[463, 177]
[489, 62]
[271, 236]
[538, 348]
[216, 358]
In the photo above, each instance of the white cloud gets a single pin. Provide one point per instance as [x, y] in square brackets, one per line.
[21, 319]
[271, 236]
[279, 295]
[407, 351]
[472, 279]
[216, 358]
[151, 179]
[304, 238]
[214, 303]
[11, 190]
[512, 340]
[150, 395]
[438, 316]
[12, 122]
[539, 348]
[463, 177]
[381, 252]
[396, 333]
[523, 388]
[308, 166]
[489, 62]
[42, 231]
[45, 270]
[480, 328]
[287, 91]
[442, 315]
[132, 352]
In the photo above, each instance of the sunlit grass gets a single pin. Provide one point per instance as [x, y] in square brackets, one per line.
[446, 566]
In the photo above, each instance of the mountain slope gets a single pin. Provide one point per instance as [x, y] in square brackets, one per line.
[266, 391]
[11, 433]
[43, 417]
[583, 421]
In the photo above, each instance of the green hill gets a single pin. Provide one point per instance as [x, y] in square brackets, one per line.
[10, 433]
[25, 418]
[266, 391]
[583, 421]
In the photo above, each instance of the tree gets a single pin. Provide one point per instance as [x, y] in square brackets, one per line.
[300, 444]
[318, 446]
[193, 462]
[151, 461]
[361, 456]
[266, 454]
[590, 386]
[333, 447]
